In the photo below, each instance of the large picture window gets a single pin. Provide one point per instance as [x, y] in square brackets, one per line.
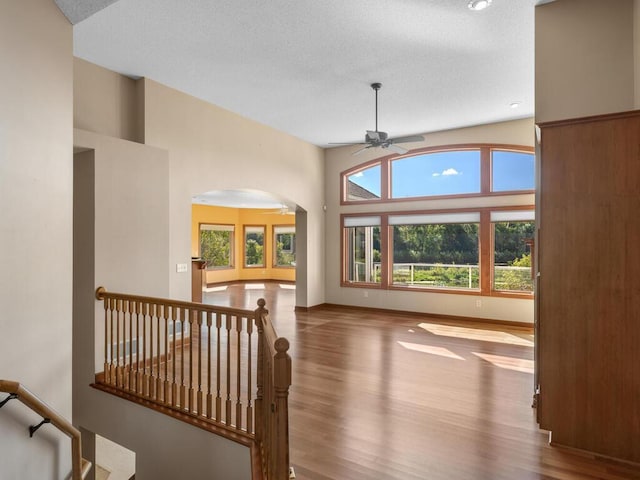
[438, 250]
[216, 245]
[284, 244]
[362, 249]
[254, 246]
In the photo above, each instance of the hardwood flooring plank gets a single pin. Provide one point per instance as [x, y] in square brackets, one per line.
[380, 395]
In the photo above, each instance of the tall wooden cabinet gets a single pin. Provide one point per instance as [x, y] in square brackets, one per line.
[588, 315]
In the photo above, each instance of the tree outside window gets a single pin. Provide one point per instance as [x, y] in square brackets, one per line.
[216, 245]
[284, 241]
[254, 246]
[440, 254]
[512, 258]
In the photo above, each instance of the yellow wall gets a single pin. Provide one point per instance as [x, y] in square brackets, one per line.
[240, 217]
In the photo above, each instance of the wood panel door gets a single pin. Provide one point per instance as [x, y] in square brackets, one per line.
[589, 310]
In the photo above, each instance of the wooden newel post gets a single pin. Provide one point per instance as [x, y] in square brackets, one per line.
[282, 382]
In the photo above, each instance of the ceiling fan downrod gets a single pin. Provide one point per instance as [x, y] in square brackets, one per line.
[376, 86]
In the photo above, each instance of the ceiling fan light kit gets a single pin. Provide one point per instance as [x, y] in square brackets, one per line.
[477, 5]
[376, 138]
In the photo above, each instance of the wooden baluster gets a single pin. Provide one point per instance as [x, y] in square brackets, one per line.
[118, 368]
[218, 377]
[128, 319]
[260, 431]
[199, 403]
[249, 386]
[170, 392]
[159, 391]
[183, 322]
[134, 339]
[113, 344]
[142, 378]
[106, 367]
[149, 382]
[192, 321]
[175, 313]
[238, 373]
[260, 367]
[209, 346]
[228, 402]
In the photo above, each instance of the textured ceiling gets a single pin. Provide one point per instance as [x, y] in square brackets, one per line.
[304, 67]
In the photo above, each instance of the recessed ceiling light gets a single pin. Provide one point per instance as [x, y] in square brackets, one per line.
[477, 5]
[514, 104]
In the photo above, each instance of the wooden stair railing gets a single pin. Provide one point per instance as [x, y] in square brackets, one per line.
[220, 368]
[79, 466]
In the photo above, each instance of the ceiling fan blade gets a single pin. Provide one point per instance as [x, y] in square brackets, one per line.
[396, 148]
[358, 152]
[410, 138]
[346, 143]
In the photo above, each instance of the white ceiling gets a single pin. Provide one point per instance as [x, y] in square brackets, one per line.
[244, 199]
[304, 67]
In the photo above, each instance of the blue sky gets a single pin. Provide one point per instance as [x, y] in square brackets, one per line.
[449, 173]
[436, 174]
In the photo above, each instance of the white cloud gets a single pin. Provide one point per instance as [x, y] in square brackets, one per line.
[447, 173]
[359, 174]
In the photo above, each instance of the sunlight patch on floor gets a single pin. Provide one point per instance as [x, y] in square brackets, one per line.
[254, 286]
[510, 363]
[495, 336]
[223, 288]
[440, 351]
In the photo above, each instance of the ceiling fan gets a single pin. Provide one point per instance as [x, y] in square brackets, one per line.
[376, 138]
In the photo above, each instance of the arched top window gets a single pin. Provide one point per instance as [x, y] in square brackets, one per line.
[453, 171]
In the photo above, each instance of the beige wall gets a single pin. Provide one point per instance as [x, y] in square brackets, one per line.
[121, 208]
[211, 148]
[520, 132]
[584, 58]
[106, 102]
[35, 231]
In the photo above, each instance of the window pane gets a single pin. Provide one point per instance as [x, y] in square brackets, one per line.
[216, 246]
[512, 259]
[365, 184]
[444, 173]
[285, 245]
[512, 171]
[254, 247]
[436, 255]
[363, 254]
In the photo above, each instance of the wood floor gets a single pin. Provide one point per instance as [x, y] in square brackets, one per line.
[383, 396]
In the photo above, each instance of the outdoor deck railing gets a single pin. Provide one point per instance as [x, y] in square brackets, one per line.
[221, 365]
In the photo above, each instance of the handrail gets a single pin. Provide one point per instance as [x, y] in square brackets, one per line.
[80, 467]
[201, 363]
